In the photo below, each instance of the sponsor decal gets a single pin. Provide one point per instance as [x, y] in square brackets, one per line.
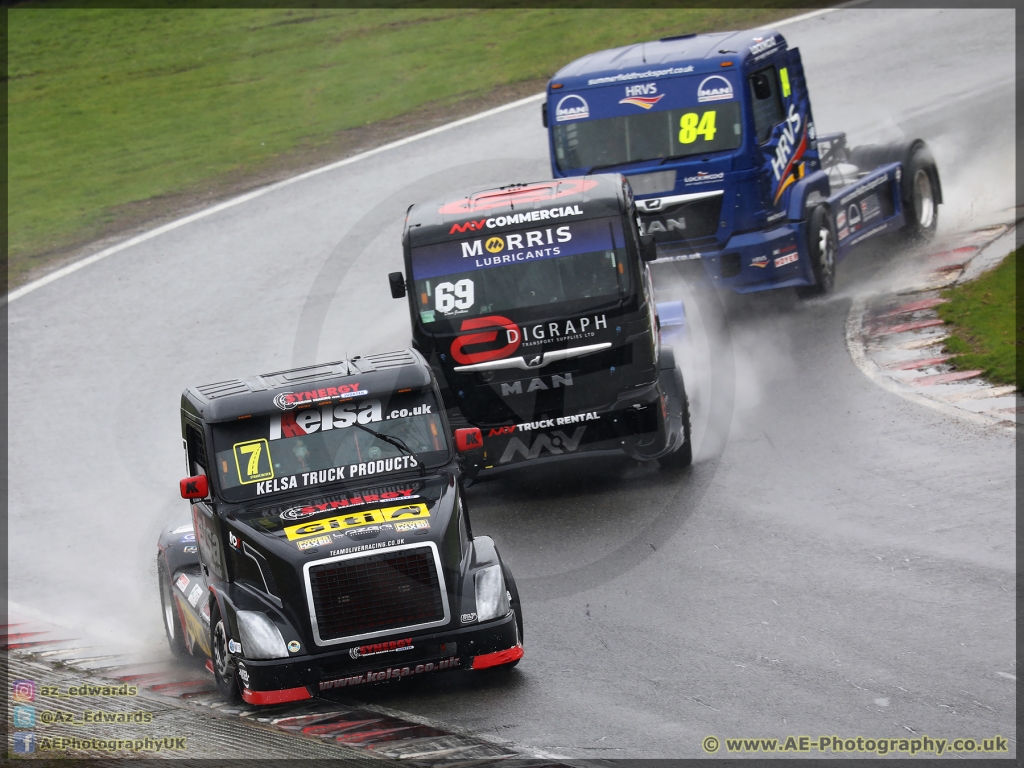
[334, 474]
[234, 541]
[645, 75]
[761, 45]
[294, 646]
[194, 595]
[205, 612]
[866, 188]
[714, 88]
[191, 549]
[650, 226]
[554, 382]
[556, 444]
[234, 647]
[788, 151]
[514, 241]
[369, 496]
[545, 423]
[182, 582]
[357, 520]
[412, 525]
[870, 208]
[366, 547]
[703, 177]
[644, 102]
[311, 420]
[759, 261]
[182, 529]
[841, 219]
[188, 537]
[289, 400]
[395, 673]
[513, 339]
[319, 541]
[243, 673]
[468, 618]
[571, 107]
[787, 259]
[543, 214]
[376, 649]
[366, 532]
[844, 233]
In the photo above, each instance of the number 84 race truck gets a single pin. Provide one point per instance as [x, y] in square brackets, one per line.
[716, 136]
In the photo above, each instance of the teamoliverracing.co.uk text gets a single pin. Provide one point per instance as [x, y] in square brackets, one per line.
[920, 745]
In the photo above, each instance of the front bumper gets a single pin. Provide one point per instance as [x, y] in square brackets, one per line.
[300, 677]
[751, 261]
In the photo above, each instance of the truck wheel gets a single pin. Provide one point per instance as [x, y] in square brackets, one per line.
[223, 669]
[682, 456]
[921, 209]
[169, 610]
[517, 608]
[821, 249]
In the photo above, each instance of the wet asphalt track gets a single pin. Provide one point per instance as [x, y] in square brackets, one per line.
[839, 561]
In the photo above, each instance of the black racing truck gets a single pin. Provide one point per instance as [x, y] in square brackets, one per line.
[330, 543]
[716, 135]
[534, 306]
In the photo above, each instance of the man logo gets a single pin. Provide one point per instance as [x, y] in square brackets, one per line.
[494, 244]
[714, 88]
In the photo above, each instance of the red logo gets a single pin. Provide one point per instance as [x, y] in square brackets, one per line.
[502, 431]
[533, 193]
[485, 337]
[469, 225]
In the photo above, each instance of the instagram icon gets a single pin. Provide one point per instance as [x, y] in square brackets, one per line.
[23, 690]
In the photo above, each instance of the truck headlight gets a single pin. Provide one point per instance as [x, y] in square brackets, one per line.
[491, 598]
[261, 639]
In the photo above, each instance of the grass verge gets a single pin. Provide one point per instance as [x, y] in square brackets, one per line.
[985, 330]
[119, 117]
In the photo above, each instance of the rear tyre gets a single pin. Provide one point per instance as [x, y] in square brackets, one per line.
[821, 250]
[921, 196]
[224, 671]
[169, 610]
[682, 456]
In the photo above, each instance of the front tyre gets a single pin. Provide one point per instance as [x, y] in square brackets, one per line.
[921, 197]
[821, 250]
[169, 610]
[224, 671]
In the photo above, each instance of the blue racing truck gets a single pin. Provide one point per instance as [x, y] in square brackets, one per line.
[716, 137]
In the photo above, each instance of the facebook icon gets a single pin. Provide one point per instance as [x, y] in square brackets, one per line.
[24, 742]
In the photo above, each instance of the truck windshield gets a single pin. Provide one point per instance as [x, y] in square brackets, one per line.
[352, 441]
[584, 263]
[670, 133]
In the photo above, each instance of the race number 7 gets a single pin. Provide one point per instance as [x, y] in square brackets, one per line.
[252, 459]
[692, 125]
[458, 296]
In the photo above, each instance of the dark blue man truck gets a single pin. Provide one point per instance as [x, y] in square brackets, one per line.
[716, 136]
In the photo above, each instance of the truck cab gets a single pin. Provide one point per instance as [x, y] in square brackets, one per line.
[716, 136]
[534, 306]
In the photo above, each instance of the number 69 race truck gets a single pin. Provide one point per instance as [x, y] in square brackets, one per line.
[716, 137]
[330, 544]
[534, 305]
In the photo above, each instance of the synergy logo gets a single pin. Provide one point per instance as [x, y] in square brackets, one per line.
[494, 324]
[642, 95]
[714, 88]
[572, 107]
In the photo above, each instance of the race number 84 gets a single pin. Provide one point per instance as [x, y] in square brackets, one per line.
[692, 125]
[252, 458]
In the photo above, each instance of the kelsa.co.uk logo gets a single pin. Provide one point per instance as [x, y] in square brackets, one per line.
[572, 107]
[714, 88]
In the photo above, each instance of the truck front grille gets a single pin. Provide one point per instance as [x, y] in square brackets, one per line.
[358, 597]
[684, 221]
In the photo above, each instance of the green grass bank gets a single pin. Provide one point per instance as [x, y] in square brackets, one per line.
[118, 116]
[985, 330]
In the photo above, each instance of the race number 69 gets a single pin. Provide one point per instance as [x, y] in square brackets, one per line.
[458, 296]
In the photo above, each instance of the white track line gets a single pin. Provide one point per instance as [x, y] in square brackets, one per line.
[70, 268]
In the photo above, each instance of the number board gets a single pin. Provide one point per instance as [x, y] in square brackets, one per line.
[252, 459]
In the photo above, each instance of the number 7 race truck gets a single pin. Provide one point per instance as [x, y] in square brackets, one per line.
[716, 137]
[534, 305]
[330, 543]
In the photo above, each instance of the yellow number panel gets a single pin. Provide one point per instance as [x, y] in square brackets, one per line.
[252, 459]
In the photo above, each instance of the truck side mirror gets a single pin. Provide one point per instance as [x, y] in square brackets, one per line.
[544, 114]
[762, 88]
[648, 248]
[468, 439]
[397, 280]
[197, 487]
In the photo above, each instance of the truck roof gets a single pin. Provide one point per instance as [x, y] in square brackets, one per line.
[307, 386]
[668, 57]
[511, 206]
